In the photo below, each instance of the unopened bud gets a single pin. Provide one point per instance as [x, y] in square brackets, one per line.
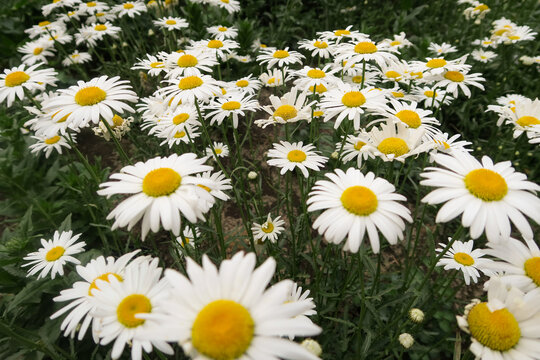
[312, 346]
[406, 340]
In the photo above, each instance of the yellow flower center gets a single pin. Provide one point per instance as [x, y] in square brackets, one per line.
[353, 99]
[16, 78]
[267, 227]
[486, 184]
[316, 74]
[44, 23]
[62, 119]
[320, 44]
[161, 182]
[527, 121]
[271, 80]
[55, 1]
[55, 253]
[318, 113]
[454, 76]
[395, 43]
[392, 74]
[180, 134]
[429, 93]
[157, 65]
[417, 75]
[357, 79]
[170, 22]
[180, 118]
[100, 27]
[365, 47]
[296, 156]
[218, 151]
[359, 200]
[222, 29]
[215, 44]
[319, 88]
[225, 1]
[514, 37]
[128, 6]
[74, 56]
[104, 277]
[410, 118]
[463, 258]
[117, 120]
[190, 82]
[242, 83]
[359, 145]
[38, 51]
[342, 32]
[281, 54]
[91, 4]
[501, 31]
[286, 112]
[100, 14]
[187, 61]
[532, 269]
[393, 145]
[481, 7]
[231, 105]
[52, 140]
[498, 330]
[90, 96]
[129, 307]
[436, 63]
[223, 330]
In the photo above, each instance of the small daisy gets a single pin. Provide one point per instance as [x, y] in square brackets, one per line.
[310, 77]
[221, 32]
[54, 254]
[56, 4]
[174, 121]
[47, 144]
[487, 42]
[188, 88]
[77, 58]
[442, 49]
[221, 150]
[398, 41]
[396, 141]
[101, 17]
[188, 238]
[162, 189]
[14, 81]
[280, 58]
[461, 256]
[269, 230]
[130, 8]
[247, 84]
[488, 195]
[354, 204]
[189, 62]
[215, 183]
[291, 107]
[185, 136]
[525, 116]
[43, 28]
[152, 65]
[171, 23]
[220, 49]
[446, 144]
[355, 147]
[365, 50]
[92, 7]
[518, 34]
[241, 58]
[431, 97]
[439, 65]
[451, 81]
[36, 52]
[231, 106]
[339, 35]
[275, 77]
[232, 6]
[317, 47]
[483, 56]
[289, 156]
[478, 10]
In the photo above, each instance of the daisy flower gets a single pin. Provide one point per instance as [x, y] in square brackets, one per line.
[487, 42]
[483, 55]
[355, 147]
[451, 81]
[187, 237]
[461, 256]
[442, 49]
[398, 41]
[219, 48]
[446, 144]
[506, 326]
[56, 4]
[488, 195]
[101, 17]
[221, 32]
[121, 306]
[80, 295]
[99, 98]
[291, 107]
[517, 34]
[221, 150]
[47, 144]
[289, 156]
[189, 62]
[181, 136]
[43, 28]
[317, 47]
[14, 81]
[232, 6]
[247, 84]
[519, 263]
[36, 52]
[310, 77]
[269, 230]
[152, 65]
[54, 254]
[162, 189]
[188, 88]
[339, 35]
[231, 106]
[365, 50]
[431, 97]
[130, 8]
[525, 116]
[215, 183]
[354, 204]
[478, 10]
[171, 23]
[439, 65]
[92, 7]
[275, 77]
[174, 121]
[77, 58]
[281, 58]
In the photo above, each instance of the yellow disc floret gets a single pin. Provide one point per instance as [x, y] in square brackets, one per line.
[353, 99]
[320, 44]
[16, 78]
[436, 63]
[38, 50]
[231, 105]
[104, 277]
[100, 27]
[365, 47]
[180, 118]
[90, 96]
[215, 44]
[486, 184]
[170, 22]
[393, 74]
[223, 330]
[128, 6]
[129, 307]
[342, 32]
[52, 140]
[286, 112]
[359, 200]
[267, 227]
[359, 145]
[296, 156]
[498, 330]
[187, 61]
[242, 83]
[281, 54]
[55, 253]
[454, 76]
[157, 65]
[393, 145]
[161, 182]
[190, 82]
[410, 118]
[532, 269]
[527, 121]
[316, 74]
[463, 258]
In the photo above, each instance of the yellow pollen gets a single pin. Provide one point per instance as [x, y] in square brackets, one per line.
[38, 51]
[365, 47]
[161, 182]
[486, 184]
[319, 88]
[281, 54]
[180, 118]
[353, 99]
[318, 113]
[231, 105]
[316, 74]
[527, 121]
[498, 330]
[52, 140]
[157, 65]
[190, 82]
[90, 96]
[170, 22]
[117, 120]
[267, 227]
[359, 200]
[393, 74]
[398, 94]
[463, 258]
[410, 118]
[44, 23]
[74, 56]
[286, 112]
[16, 78]
[393, 145]
[223, 330]
[242, 83]
[271, 80]
[187, 61]
[128, 6]
[357, 79]
[55, 253]
[481, 7]
[395, 43]
[342, 32]
[218, 151]
[436, 63]
[320, 44]
[215, 44]
[180, 134]
[104, 277]
[91, 4]
[100, 27]
[129, 307]
[359, 145]
[454, 76]
[296, 156]
[532, 269]
[500, 32]
[222, 29]
[429, 93]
